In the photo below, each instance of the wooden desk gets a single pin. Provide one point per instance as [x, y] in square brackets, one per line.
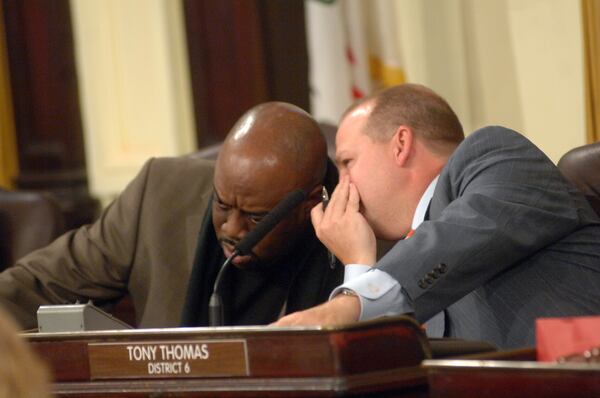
[376, 358]
[512, 374]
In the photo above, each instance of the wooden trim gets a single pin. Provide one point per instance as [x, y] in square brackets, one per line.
[242, 53]
[377, 356]
[591, 36]
[8, 145]
[227, 66]
[45, 95]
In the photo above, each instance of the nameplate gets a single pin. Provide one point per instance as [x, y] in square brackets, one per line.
[168, 359]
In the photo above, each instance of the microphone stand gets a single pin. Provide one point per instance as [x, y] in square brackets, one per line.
[244, 247]
[216, 315]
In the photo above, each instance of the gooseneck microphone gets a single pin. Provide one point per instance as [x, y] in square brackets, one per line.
[245, 246]
[282, 209]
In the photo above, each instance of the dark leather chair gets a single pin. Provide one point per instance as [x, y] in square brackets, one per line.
[581, 166]
[28, 221]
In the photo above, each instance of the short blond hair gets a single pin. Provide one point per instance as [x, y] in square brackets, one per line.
[416, 106]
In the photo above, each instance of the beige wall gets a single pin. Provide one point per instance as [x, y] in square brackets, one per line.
[517, 63]
[134, 87]
[547, 37]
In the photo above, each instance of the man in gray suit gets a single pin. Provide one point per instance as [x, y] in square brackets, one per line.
[500, 238]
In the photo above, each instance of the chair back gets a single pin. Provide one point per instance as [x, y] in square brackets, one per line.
[581, 166]
[28, 221]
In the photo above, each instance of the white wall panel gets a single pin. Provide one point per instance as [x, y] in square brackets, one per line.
[134, 86]
[517, 63]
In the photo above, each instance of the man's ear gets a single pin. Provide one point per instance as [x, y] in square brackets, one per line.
[402, 144]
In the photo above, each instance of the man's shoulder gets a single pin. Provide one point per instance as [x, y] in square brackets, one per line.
[497, 152]
[494, 136]
[178, 178]
[494, 142]
[181, 164]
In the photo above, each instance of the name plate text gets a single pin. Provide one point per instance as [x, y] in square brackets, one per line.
[168, 359]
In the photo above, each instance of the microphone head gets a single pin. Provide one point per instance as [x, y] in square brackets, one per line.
[266, 225]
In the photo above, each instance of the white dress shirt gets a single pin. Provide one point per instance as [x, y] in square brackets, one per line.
[379, 293]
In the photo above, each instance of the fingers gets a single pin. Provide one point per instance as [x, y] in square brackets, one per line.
[345, 197]
[341, 310]
[339, 199]
[300, 318]
[353, 199]
[342, 229]
[287, 320]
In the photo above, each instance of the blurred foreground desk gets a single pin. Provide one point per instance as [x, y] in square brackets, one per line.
[377, 358]
[512, 374]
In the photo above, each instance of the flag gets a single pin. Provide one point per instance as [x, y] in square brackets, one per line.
[354, 49]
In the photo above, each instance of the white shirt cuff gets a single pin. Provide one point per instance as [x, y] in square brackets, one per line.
[379, 294]
[351, 271]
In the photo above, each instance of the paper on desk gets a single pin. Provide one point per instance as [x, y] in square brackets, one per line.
[557, 337]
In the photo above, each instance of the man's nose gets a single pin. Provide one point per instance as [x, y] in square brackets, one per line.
[235, 225]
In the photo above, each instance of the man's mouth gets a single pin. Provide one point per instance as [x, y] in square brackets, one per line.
[228, 248]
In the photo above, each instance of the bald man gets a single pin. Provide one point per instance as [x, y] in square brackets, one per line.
[165, 237]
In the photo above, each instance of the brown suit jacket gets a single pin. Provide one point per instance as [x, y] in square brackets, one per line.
[143, 243]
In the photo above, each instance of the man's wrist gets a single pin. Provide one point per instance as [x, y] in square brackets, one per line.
[366, 259]
[350, 304]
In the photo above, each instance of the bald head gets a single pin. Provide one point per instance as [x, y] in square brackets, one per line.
[272, 150]
[277, 135]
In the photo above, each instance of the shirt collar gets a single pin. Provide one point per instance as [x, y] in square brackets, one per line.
[419, 216]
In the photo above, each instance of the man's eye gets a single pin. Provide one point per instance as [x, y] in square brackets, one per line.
[256, 218]
[221, 205]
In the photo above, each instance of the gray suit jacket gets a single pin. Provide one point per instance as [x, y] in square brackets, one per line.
[508, 240]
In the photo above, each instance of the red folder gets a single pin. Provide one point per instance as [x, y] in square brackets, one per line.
[561, 337]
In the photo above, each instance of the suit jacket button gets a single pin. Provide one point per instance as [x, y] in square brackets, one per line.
[428, 280]
[441, 268]
[422, 284]
[433, 274]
